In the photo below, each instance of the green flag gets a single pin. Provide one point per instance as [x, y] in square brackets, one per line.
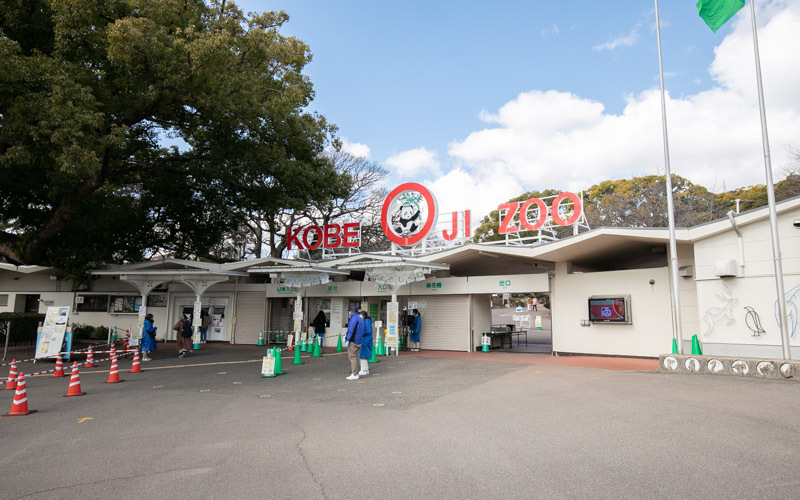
[717, 12]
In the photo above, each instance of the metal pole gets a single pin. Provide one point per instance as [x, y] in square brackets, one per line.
[773, 216]
[8, 335]
[673, 247]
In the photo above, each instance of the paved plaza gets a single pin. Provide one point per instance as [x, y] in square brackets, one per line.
[433, 425]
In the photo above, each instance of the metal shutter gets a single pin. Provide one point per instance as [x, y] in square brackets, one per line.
[251, 315]
[445, 322]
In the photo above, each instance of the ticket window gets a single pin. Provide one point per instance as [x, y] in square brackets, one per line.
[216, 330]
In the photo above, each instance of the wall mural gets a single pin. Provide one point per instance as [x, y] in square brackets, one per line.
[792, 298]
[753, 321]
[715, 315]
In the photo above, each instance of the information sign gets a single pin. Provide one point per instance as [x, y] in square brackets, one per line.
[53, 330]
[268, 366]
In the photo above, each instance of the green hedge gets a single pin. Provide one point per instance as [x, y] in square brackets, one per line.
[82, 331]
[23, 328]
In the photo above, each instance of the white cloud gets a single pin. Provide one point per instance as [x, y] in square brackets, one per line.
[628, 40]
[552, 139]
[550, 31]
[356, 149]
[414, 161]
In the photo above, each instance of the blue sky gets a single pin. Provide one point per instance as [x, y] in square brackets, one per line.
[455, 94]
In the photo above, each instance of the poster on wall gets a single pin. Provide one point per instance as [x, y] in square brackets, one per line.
[137, 334]
[392, 308]
[336, 314]
[53, 330]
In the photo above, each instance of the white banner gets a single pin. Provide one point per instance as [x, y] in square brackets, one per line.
[53, 330]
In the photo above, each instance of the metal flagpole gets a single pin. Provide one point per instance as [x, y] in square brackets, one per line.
[773, 216]
[673, 247]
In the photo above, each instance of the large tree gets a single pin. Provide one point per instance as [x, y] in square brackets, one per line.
[92, 90]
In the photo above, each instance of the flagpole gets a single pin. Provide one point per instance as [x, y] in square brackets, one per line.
[773, 216]
[673, 246]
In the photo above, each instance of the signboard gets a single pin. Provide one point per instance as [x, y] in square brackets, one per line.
[373, 312]
[392, 338]
[408, 214]
[486, 340]
[327, 236]
[268, 366]
[53, 330]
[541, 213]
[364, 306]
[336, 313]
[137, 334]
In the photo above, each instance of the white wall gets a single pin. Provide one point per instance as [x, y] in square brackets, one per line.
[481, 317]
[651, 331]
[723, 320]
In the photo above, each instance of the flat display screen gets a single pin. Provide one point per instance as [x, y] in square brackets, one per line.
[610, 309]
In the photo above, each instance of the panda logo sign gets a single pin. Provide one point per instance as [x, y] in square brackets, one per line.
[408, 214]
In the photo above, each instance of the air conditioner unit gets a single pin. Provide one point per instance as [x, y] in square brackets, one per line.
[725, 268]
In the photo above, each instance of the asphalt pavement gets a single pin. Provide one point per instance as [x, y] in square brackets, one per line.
[419, 426]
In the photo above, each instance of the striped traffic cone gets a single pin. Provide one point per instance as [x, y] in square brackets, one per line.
[12, 376]
[20, 405]
[136, 367]
[89, 359]
[59, 367]
[113, 350]
[74, 383]
[113, 374]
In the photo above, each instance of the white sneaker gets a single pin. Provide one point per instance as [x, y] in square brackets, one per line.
[147, 359]
[362, 372]
[353, 377]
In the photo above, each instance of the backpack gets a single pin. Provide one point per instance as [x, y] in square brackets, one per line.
[186, 330]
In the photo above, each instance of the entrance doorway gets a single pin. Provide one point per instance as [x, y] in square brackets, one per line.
[526, 316]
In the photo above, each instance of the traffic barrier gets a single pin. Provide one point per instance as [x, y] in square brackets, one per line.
[278, 364]
[74, 383]
[339, 344]
[89, 358]
[19, 407]
[59, 370]
[12, 376]
[113, 373]
[136, 367]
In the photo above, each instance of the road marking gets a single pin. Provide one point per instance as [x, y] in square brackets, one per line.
[265, 395]
[221, 373]
[205, 390]
[397, 392]
[236, 383]
[157, 386]
[84, 419]
[537, 371]
[378, 404]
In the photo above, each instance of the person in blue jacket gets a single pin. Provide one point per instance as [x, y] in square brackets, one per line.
[148, 338]
[353, 338]
[414, 330]
[366, 344]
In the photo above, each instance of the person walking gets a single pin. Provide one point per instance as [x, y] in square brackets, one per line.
[415, 330]
[535, 303]
[353, 337]
[184, 335]
[148, 338]
[365, 353]
[205, 322]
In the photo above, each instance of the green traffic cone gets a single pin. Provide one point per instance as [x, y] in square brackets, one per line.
[339, 344]
[278, 365]
[674, 346]
[696, 346]
[261, 337]
[381, 350]
[317, 347]
[373, 358]
[297, 360]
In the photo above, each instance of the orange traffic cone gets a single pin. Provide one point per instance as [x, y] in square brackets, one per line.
[74, 383]
[59, 367]
[12, 376]
[20, 405]
[113, 374]
[89, 359]
[136, 366]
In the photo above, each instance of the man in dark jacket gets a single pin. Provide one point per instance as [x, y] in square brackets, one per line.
[355, 331]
